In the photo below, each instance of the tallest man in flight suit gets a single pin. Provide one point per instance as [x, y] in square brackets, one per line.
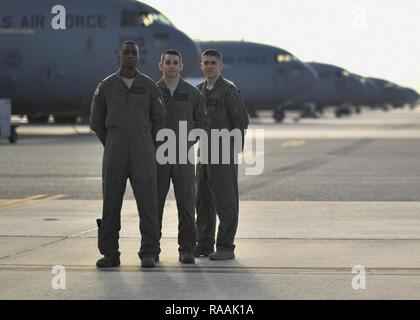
[126, 113]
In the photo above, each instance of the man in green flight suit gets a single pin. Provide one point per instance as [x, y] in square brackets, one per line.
[217, 191]
[126, 112]
[185, 107]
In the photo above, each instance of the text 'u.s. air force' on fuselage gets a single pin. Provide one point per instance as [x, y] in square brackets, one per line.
[40, 21]
[49, 71]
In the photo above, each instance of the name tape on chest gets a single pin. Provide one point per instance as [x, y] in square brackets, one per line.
[212, 102]
[138, 90]
[181, 96]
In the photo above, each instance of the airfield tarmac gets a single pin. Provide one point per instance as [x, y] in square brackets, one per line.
[334, 194]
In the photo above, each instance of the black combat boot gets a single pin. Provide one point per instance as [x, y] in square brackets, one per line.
[148, 262]
[109, 261]
[205, 252]
[187, 258]
[222, 255]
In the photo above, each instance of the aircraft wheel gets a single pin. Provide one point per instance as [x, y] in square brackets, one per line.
[278, 115]
[13, 136]
[347, 111]
[338, 113]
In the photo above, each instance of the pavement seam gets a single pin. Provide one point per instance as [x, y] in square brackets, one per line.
[224, 269]
[62, 238]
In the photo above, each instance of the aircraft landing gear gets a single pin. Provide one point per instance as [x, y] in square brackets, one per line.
[344, 110]
[278, 115]
[38, 119]
[385, 107]
[310, 111]
[338, 113]
[13, 135]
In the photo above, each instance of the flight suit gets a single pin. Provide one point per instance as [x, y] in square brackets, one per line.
[186, 104]
[126, 121]
[217, 184]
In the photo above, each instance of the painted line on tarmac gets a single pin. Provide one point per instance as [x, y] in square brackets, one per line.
[28, 200]
[56, 197]
[293, 143]
[219, 269]
[252, 154]
[21, 201]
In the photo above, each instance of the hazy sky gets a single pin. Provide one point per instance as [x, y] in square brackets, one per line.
[378, 38]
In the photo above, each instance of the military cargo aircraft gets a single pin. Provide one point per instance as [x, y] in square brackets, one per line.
[45, 71]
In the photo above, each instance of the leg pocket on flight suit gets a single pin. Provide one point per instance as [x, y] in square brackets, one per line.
[107, 150]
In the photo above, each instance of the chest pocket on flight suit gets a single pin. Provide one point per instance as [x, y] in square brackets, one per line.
[141, 105]
[215, 109]
[212, 104]
[182, 105]
[116, 107]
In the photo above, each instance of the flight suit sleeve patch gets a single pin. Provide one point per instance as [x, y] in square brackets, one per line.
[234, 94]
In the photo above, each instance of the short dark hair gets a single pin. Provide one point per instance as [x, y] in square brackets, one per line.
[127, 42]
[173, 52]
[212, 53]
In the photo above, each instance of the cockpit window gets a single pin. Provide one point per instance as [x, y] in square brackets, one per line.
[342, 73]
[281, 58]
[144, 19]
